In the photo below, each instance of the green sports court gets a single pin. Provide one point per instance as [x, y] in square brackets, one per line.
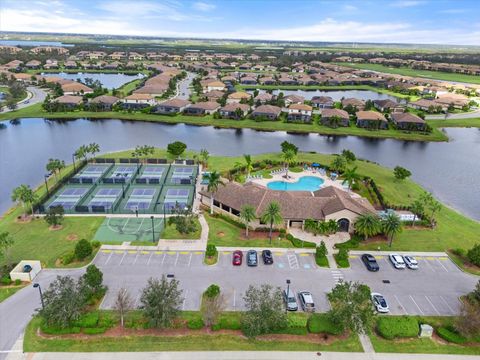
[117, 230]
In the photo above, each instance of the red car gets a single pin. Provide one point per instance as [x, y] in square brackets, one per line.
[237, 258]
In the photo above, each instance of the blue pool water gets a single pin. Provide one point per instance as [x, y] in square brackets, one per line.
[305, 183]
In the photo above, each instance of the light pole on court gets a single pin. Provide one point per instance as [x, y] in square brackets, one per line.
[37, 285]
[153, 229]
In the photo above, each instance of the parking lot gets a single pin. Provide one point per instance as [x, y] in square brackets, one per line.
[433, 289]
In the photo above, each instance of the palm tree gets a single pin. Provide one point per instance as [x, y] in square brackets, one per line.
[247, 214]
[82, 152]
[272, 215]
[417, 208]
[24, 194]
[214, 181]
[93, 148]
[434, 206]
[368, 225]
[338, 163]
[351, 176]
[392, 225]
[248, 163]
[204, 156]
[289, 157]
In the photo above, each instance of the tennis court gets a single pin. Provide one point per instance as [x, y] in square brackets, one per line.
[103, 199]
[180, 195]
[152, 174]
[120, 174]
[141, 199]
[119, 230]
[90, 173]
[182, 175]
[68, 197]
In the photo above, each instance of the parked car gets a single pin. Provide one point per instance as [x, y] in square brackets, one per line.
[380, 303]
[411, 262]
[306, 301]
[267, 257]
[252, 258]
[290, 301]
[237, 258]
[370, 262]
[397, 261]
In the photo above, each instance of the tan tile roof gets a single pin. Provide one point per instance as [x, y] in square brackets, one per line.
[328, 113]
[370, 115]
[234, 106]
[407, 118]
[105, 99]
[69, 99]
[239, 95]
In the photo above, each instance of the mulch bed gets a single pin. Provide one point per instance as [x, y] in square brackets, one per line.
[72, 237]
[55, 228]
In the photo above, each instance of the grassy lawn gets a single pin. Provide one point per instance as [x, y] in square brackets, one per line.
[35, 111]
[424, 345]
[197, 342]
[7, 291]
[417, 73]
[171, 232]
[130, 86]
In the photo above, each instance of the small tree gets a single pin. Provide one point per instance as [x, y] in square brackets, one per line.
[392, 225]
[6, 242]
[93, 281]
[473, 255]
[338, 163]
[24, 195]
[54, 216]
[264, 310]
[401, 173]
[176, 148]
[351, 176]
[368, 225]
[417, 208]
[161, 300]
[351, 306]
[214, 182]
[212, 305]
[349, 155]
[289, 146]
[64, 302]
[123, 303]
[272, 215]
[211, 250]
[247, 214]
[83, 249]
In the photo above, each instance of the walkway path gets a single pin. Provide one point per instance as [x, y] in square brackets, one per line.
[366, 343]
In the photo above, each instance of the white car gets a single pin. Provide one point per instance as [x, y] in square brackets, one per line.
[397, 261]
[411, 262]
[306, 301]
[380, 303]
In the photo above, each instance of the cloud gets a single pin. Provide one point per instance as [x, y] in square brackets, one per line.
[202, 6]
[407, 3]
[349, 7]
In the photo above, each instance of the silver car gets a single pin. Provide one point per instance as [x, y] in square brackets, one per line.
[397, 261]
[411, 262]
[290, 301]
[306, 301]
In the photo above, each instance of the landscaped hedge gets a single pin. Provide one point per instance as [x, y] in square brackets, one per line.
[88, 320]
[195, 324]
[342, 258]
[228, 321]
[391, 327]
[300, 243]
[451, 335]
[55, 330]
[321, 324]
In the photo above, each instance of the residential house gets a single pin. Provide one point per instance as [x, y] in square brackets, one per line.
[104, 102]
[234, 111]
[76, 88]
[322, 102]
[51, 64]
[138, 101]
[69, 101]
[356, 103]
[214, 95]
[70, 64]
[293, 99]
[284, 80]
[269, 112]
[267, 80]
[118, 55]
[202, 108]
[335, 117]
[263, 98]
[248, 80]
[238, 96]
[135, 56]
[408, 121]
[172, 106]
[46, 49]
[388, 105]
[33, 64]
[299, 112]
[371, 120]
[426, 105]
[212, 85]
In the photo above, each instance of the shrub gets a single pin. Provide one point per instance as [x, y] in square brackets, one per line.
[460, 252]
[54, 330]
[451, 335]
[18, 282]
[473, 255]
[83, 249]
[96, 244]
[68, 258]
[195, 324]
[321, 324]
[228, 321]
[397, 327]
[94, 331]
[342, 258]
[212, 291]
[88, 320]
[211, 250]
[6, 280]
[300, 243]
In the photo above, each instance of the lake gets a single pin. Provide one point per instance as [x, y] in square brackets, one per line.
[336, 95]
[33, 43]
[450, 170]
[110, 81]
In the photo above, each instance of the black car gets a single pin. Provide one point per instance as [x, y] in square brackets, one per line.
[370, 262]
[267, 257]
[252, 258]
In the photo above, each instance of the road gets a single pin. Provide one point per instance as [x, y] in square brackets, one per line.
[434, 289]
[468, 115]
[36, 95]
[183, 87]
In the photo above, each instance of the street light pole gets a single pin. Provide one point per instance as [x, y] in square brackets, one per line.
[153, 229]
[288, 294]
[37, 285]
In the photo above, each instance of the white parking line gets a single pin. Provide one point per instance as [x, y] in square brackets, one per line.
[185, 299]
[399, 303]
[292, 261]
[176, 260]
[151, 253]
[443, 266]
[125, 253]
[433, 306]
[448, 305]
[106, 262]
[136, 257]
[429, 265]
[190, 260]
[164, 255]
[234, 299]
[418, 307]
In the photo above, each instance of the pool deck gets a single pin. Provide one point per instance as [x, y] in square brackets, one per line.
[294, 176]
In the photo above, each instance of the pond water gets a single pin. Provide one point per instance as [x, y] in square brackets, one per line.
[33, 43]
[337, 95]
[451, 170]
[110, 81]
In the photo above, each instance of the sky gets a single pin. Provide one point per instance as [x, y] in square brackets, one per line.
[396, 21]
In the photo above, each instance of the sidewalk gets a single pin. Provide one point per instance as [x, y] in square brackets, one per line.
[386, 253]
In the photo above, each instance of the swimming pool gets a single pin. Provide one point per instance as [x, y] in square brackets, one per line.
[305, 183]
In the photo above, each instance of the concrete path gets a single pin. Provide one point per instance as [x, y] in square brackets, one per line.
[366, 343]
[238, 355]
